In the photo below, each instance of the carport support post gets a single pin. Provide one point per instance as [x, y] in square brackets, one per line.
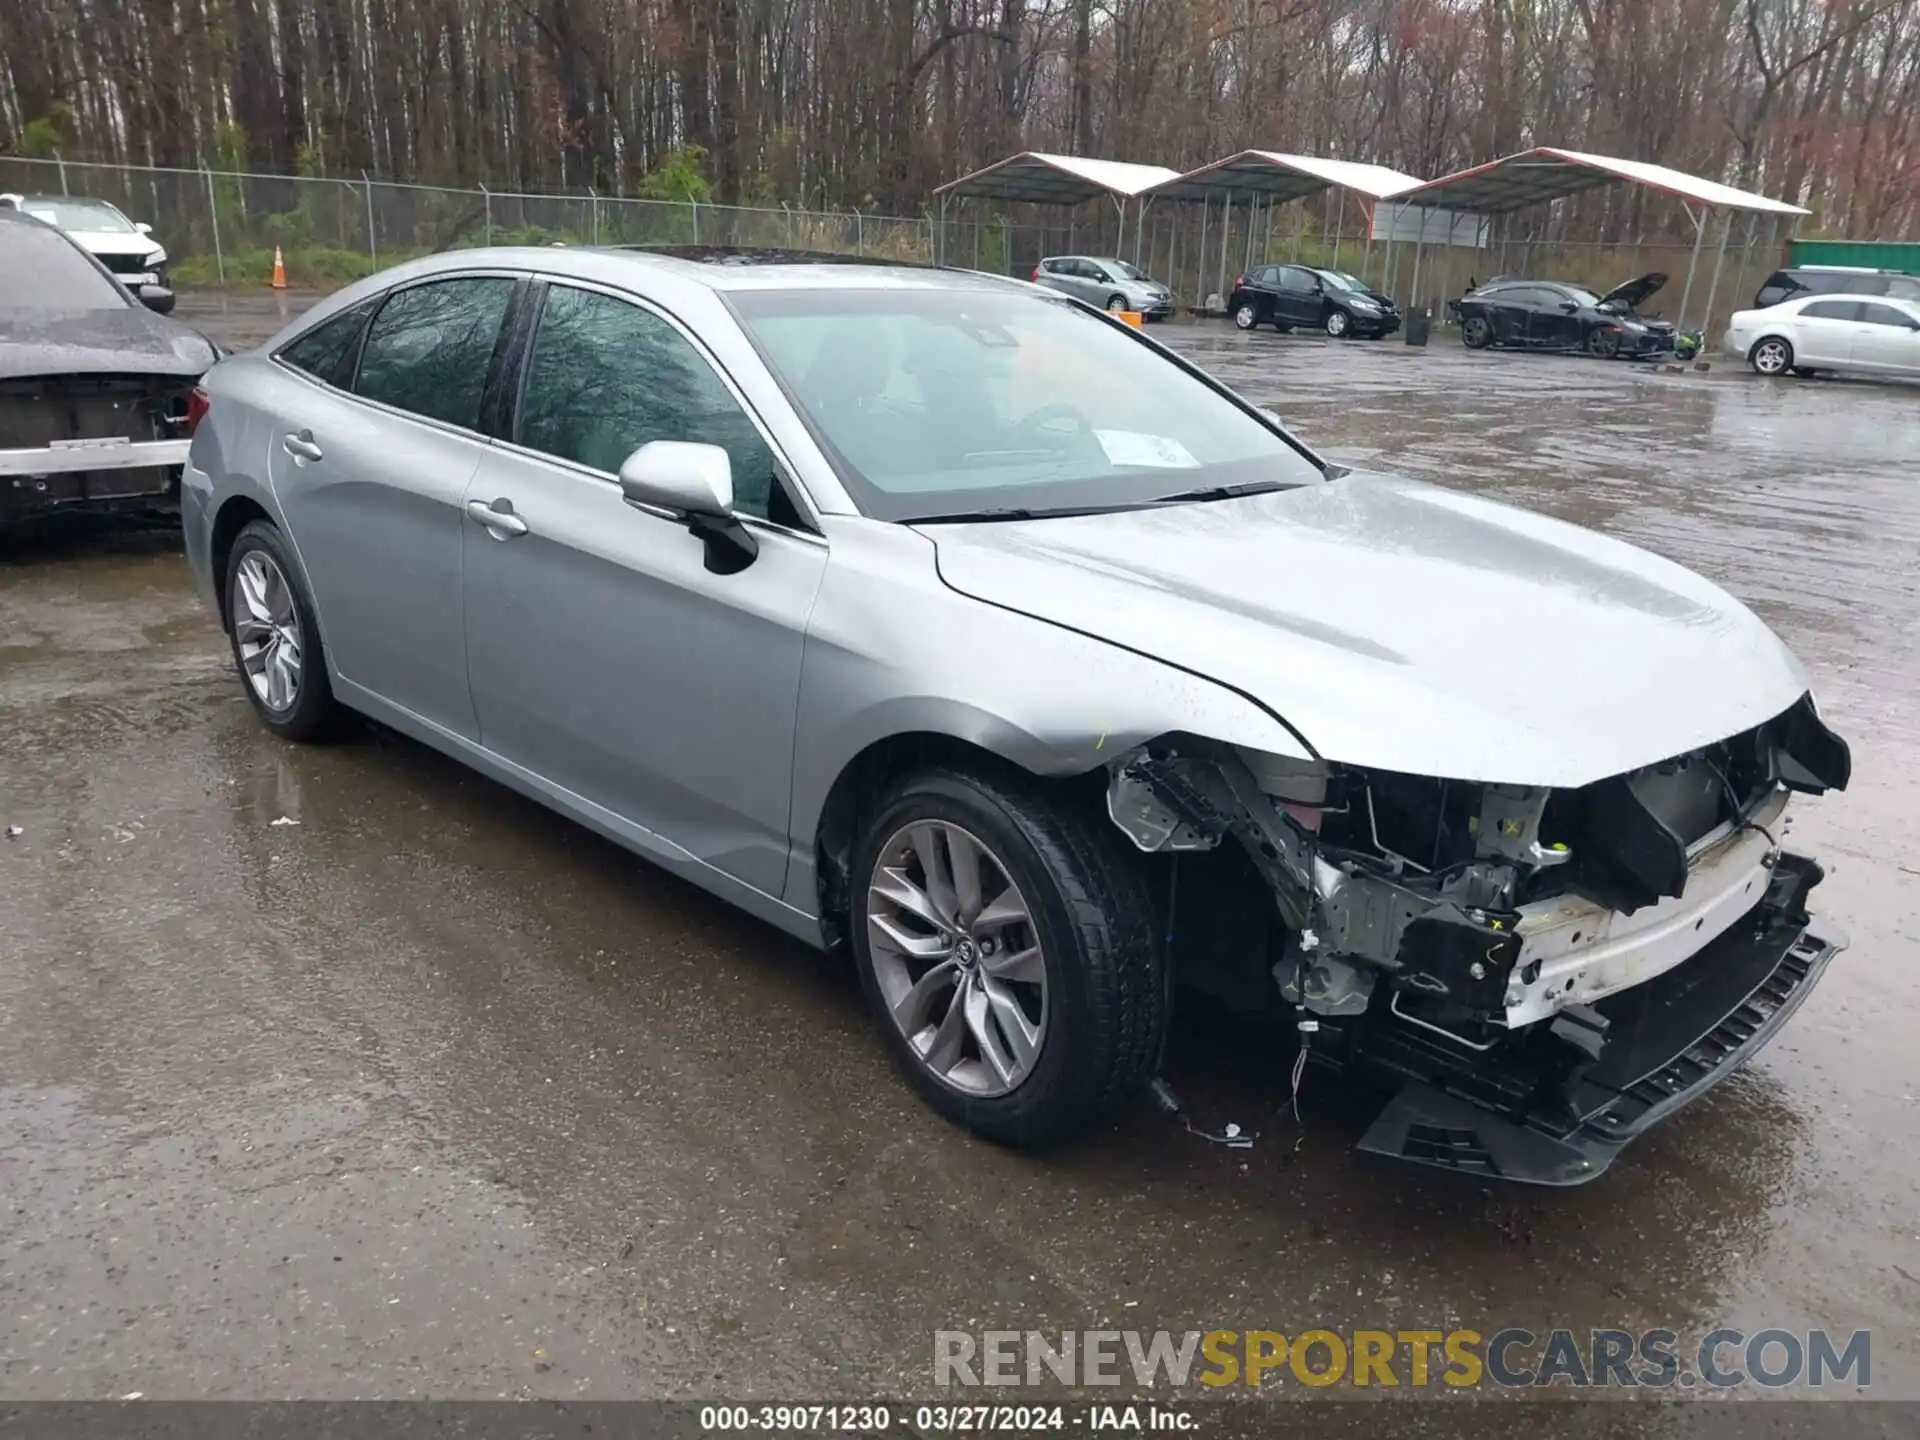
[486, 201]
[1713, 285]
[213, 214]
[1200, 256]
[1253, 206]
[1339, 224]
[1226, 229]
[940, 234]
[1686, 291]
[1266, 250]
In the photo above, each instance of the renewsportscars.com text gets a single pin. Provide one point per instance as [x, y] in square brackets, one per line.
[1512, 1357]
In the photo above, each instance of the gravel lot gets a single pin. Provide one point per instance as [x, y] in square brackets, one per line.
[437, 1094]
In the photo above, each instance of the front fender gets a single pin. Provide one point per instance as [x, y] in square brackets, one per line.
[891, 651]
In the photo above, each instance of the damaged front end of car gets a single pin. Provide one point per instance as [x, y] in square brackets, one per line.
[1543, 973]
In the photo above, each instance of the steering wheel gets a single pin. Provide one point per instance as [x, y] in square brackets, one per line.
[1038, 419]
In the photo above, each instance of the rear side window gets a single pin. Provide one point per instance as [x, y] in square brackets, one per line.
[606, 377]
[430, 348]
[326, 351]
[1833, 310]
[1886, 315]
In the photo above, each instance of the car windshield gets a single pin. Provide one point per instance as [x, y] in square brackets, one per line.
[45, 272]
[77, 213]
[937, 403]
[1129, 272]
[1343, 281]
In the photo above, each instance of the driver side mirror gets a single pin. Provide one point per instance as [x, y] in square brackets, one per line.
[1569, 306]
[156, 298]
[693, 484]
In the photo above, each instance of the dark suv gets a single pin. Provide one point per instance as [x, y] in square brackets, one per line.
[1834, 280]
[1304, 297]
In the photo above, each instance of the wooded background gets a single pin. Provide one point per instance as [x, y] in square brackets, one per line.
[874, 102]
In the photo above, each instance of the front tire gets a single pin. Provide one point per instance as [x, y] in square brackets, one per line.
[1338, 324]
[1005, 944]
[275, 639]
[1116, 304]
[1604, 344]
[1772, 355]
[1476, 333]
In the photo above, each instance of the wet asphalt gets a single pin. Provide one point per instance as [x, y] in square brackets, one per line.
[434, 1093]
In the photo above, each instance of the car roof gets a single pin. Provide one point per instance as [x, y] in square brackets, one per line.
[1840, 269]
[721, 268]
[1899, 302]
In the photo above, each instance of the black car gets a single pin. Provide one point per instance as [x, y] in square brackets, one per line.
[1834, 280]
[97, 393]
[1556, 315]
[1305, 297]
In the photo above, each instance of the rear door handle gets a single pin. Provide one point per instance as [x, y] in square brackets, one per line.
[498, 517]
[301, 446]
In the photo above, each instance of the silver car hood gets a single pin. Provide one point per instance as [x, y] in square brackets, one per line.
[1403, 626]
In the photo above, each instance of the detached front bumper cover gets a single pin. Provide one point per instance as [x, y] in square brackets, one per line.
[1666, 1044]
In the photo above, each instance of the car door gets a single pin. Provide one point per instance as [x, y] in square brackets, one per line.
[1553, 319]
[371, 479]
[1509, 309]
[1295, 300]
[1886, 340]
[605, 658]
[1823, 333]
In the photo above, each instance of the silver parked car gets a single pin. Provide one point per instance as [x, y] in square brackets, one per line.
[937, 617]
[1106, 283]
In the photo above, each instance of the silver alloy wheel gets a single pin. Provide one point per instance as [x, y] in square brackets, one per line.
[957, 958]
[266, 629]
[1770, 357]
[1116, 304]
[1337, 323]
[1245, 317]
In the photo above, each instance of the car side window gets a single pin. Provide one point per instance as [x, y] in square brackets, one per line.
[606, 377]
[1292, 277]
[1832, 310]
[326, 350]
[430, 347]
[1885, 315]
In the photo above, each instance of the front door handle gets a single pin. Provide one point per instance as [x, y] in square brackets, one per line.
[301, 446]
[498, 517]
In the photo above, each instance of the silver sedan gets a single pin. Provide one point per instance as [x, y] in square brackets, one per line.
[942, 620]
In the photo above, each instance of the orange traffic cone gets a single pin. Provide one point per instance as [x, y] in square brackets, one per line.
[279, 270]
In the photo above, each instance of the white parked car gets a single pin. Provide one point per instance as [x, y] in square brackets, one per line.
[126, 247]
[1868, 334]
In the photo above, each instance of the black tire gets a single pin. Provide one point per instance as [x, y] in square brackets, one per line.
[1282, 327]
[1771, 355]
[1805, 372]
[314, 714]
[1476, 332]
[1106, 998]
[1246, 315]
[1339, 324]
[1604, 344]
[1116, 303]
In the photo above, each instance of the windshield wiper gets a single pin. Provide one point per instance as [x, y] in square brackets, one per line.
[1221, 492]
[1022, 512]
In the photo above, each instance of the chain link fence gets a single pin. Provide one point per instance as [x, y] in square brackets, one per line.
[220, 227]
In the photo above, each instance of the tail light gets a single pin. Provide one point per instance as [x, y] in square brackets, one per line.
[1036, 272]
[198, 403]
[1238, 281]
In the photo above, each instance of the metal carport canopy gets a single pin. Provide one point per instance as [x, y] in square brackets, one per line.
[1032, 177]
[1282, 178]
[1545, 173]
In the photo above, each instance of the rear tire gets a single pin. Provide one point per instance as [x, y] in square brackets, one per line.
[1771, 355]
[1101, 1006]
[1245, 318]
[276, 640]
